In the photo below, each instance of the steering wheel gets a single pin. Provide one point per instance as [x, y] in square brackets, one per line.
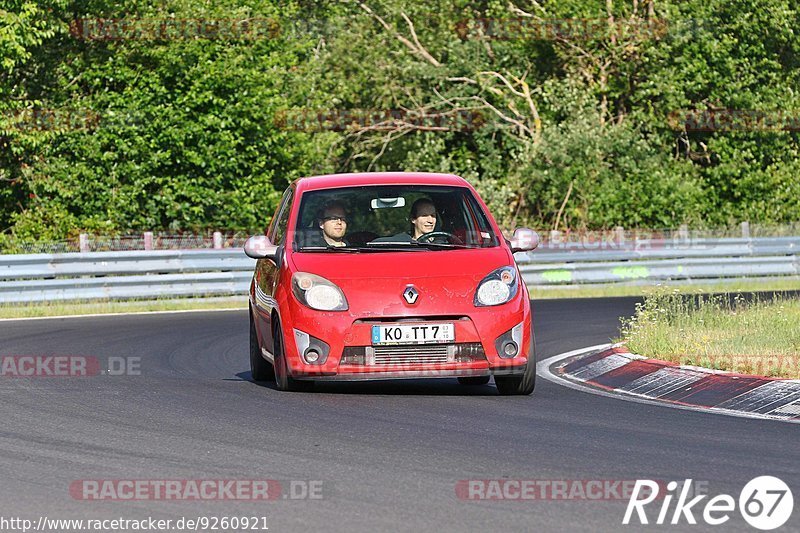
[431, 235]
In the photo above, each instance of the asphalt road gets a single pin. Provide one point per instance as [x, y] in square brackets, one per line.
[388, 455]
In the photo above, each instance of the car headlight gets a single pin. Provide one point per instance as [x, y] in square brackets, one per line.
[497, 288]
[317, 292]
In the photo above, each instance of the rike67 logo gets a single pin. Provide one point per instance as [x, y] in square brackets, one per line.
[765, 503]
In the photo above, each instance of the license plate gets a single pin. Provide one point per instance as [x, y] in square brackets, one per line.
[413, 333]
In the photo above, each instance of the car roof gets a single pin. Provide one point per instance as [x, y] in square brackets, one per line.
[356, 179]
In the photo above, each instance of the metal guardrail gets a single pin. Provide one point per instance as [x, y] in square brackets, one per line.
[148, 240]
[672, 260]
[166, 274]
[123, 275]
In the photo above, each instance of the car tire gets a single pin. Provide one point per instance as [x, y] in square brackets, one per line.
[517, 385]
[474, 380]
[283, 380]
[520, 385]
[260, 368]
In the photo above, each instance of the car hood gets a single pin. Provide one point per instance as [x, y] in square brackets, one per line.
[374, 283]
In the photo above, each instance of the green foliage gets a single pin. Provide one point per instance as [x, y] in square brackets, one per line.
[168, 134]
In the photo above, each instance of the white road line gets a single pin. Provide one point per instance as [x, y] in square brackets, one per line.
[661, 382]
[764, 396]
[792, 409]
[603, 366]
[543, 369]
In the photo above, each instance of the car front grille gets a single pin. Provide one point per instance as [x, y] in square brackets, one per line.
[394, 355]
[404, 355]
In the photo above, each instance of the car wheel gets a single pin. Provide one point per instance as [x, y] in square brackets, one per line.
[283, 380]
[260, 369]
[474, 380]
[518, 385]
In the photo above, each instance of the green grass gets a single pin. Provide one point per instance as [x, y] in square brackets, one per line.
[30, 310]
[759, 336]
[610, 290]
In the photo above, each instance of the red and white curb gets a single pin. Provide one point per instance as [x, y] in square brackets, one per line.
[610, 370]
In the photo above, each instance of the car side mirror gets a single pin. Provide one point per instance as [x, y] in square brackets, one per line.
[259, 247]
[524, 240]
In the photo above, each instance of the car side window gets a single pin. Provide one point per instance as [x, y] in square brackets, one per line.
[282, 220]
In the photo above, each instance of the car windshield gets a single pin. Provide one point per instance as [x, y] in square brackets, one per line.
[382, 218]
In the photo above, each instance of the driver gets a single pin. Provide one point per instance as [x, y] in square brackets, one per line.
[423, 218]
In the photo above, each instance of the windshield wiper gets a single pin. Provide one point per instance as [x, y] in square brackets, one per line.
[414, 245]
[328, 249]
[443, 245]
[400, 244]
[391, 245]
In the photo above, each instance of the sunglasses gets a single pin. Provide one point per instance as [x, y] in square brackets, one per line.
[334, 217]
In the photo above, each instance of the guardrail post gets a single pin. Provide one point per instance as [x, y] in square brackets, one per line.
[83, 243]
[683, 232]
[745, 230]
[619, 236]
[555, 238]
[148, 240]
[217, 240]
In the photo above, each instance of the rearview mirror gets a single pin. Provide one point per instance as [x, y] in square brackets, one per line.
[524, 240]
[259, 247]
[382, 203]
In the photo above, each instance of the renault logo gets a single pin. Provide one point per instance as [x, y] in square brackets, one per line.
[411, 294]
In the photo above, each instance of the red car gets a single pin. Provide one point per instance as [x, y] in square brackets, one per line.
[389, 275]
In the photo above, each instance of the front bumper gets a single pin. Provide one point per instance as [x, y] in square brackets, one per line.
[433, 373]
[340, 330]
